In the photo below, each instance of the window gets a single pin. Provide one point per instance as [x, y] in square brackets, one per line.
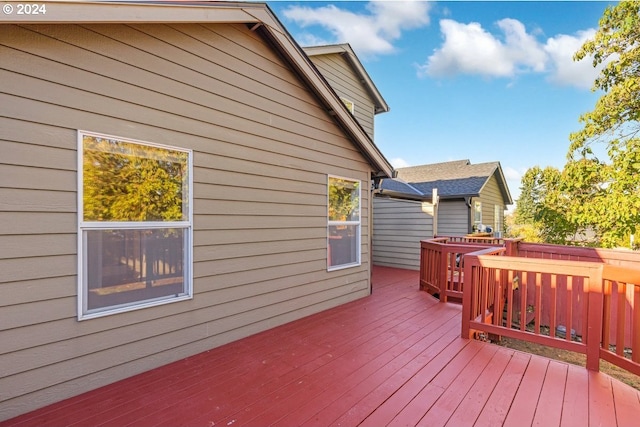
[497, 220]
[349, 104]
[135, 224]
[477, 213]
[343, 231]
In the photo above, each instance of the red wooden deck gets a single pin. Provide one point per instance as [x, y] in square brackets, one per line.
[395, 358]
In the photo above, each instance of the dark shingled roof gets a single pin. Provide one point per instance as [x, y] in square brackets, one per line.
[452, 179]
[399, 187]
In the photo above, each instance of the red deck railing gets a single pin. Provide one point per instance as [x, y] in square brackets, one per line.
[441, 264]
[573, 304]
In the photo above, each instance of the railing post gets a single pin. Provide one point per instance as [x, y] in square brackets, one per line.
[442, 273]
[594, 318]
[511, 245]
[466, 297]
[423, 264]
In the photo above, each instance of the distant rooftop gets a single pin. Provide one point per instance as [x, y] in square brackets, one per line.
[454, 179]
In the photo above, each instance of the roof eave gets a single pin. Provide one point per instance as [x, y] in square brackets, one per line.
[401, 195]
[305, 68]
[346, 51]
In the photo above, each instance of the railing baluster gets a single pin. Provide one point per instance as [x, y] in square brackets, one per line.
[606, 315]
[569, 303]
[620, 329]
[510, 302]
[523, 301]
[553, 296]
[538, 303]
[635, 341]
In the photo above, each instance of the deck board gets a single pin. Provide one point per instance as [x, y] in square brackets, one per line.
[575, 406]
[549, 410]
[394, 358]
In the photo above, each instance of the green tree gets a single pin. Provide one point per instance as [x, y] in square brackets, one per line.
[605, 193]
[541, 210]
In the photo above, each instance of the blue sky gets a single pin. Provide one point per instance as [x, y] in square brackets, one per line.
[487, 81]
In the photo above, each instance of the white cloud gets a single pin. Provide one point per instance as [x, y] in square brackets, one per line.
[511, 174]
[369, 34]
[399, 162]
[566, 71]
[469, 49]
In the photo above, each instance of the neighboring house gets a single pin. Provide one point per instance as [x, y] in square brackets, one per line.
[174, 177]
[346, 75]
[469, 195]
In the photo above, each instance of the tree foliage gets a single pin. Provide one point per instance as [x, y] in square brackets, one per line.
[606, 192]
[598, 191]
[543, 205]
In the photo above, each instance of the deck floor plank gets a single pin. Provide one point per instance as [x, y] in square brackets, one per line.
[525, 402]
[497, 407]
[549, 409]
[473, 403]
[394, 358]
[601, 406]
[626, 405]
[455, 391]
[575, 406]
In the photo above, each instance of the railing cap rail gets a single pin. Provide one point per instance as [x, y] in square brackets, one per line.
[538, 265]
[621, 274]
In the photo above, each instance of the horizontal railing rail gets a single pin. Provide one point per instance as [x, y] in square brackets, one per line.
[482, 240]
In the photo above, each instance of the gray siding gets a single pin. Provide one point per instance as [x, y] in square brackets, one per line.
[262, 147]
[453, 218]
[398, 227]
[346, 83]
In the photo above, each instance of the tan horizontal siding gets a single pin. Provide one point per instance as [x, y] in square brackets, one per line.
[26, 291]
[262, 148]
[21, 200]
[347, 84]
[12, 223]
[490, 197]
[37, 245]
[226, 236]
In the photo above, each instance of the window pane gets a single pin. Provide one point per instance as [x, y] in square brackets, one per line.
[131, 266]
[343, 245]
[344, 200]
[478, 212]
[125, 181]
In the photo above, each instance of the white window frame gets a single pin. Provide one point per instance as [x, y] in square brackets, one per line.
[351, 106]
[83, 226]
[357, 223]
[497, 220]
[477, 208]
